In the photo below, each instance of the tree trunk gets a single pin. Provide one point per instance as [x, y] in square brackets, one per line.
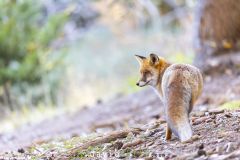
[217, 34]
[7, 96]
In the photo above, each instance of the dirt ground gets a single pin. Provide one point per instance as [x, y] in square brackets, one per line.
[216, 132]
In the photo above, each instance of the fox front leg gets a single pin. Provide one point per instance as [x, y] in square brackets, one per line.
[168, 133]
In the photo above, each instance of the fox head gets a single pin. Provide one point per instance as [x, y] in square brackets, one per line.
[151, 69]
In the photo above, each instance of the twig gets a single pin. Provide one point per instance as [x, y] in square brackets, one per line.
[132, 144]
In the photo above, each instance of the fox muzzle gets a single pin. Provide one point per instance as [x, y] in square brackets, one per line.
[141, 83]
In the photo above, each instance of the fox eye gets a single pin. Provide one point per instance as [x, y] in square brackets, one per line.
[147, 73]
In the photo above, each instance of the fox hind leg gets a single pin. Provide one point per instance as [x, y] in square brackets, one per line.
[168, 133]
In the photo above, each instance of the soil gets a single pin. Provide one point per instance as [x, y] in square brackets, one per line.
[216, 131]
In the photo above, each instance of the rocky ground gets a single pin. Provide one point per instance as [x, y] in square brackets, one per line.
[134, 127]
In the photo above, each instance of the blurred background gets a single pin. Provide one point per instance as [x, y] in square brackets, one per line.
[67, 69]
[61, 55]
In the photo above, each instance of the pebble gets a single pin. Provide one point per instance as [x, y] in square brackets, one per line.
[150, 133]
[130, 135]
[228, 115]
[201, 152]
[21, 150]
[229, 147]
[194, 138]
[206, 113]
[201, 146]
[213, 116]
[220, 140]
[208, 120]
[210, 151]
[199, 114]
[117, 145]
[219, 149]
[200, 120]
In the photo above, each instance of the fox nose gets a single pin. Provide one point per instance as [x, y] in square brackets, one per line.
[137, 83]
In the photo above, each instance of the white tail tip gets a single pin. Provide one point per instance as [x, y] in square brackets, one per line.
[185, 133]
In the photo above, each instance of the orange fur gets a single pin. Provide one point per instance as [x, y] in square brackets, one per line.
[178, 85]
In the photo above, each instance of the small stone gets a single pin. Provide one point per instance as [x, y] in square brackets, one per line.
[147, 133]
[121, 156]
[216, 111]
[199, 114]
[206, 113]
[210, 152]
[135, 153]
[228, 115]
[201, 152]
[153, 132]
[213, 116]
[117, 145]
[200, 120]
[220, 140]
[208, 120]
[21, 150]
[130, 135]
[192, 139]
[229, 147]
[157, 116]
[201, 146]
[74, 135]
[219, 149]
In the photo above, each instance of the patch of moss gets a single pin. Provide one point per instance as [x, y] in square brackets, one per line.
[231, 105]
[90, 152]
[80, 155]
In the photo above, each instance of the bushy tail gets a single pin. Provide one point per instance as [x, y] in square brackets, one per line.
[177, 101]
[180, 125]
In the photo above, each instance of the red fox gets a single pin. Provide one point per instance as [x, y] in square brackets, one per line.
[178, 85]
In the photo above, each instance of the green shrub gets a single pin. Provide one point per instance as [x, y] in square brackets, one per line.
[26, 36]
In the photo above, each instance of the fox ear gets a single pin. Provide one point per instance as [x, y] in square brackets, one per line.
[154, 59]
[140, 59]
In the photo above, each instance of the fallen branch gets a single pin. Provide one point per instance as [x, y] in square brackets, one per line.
[100, 140]
[113, 136]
